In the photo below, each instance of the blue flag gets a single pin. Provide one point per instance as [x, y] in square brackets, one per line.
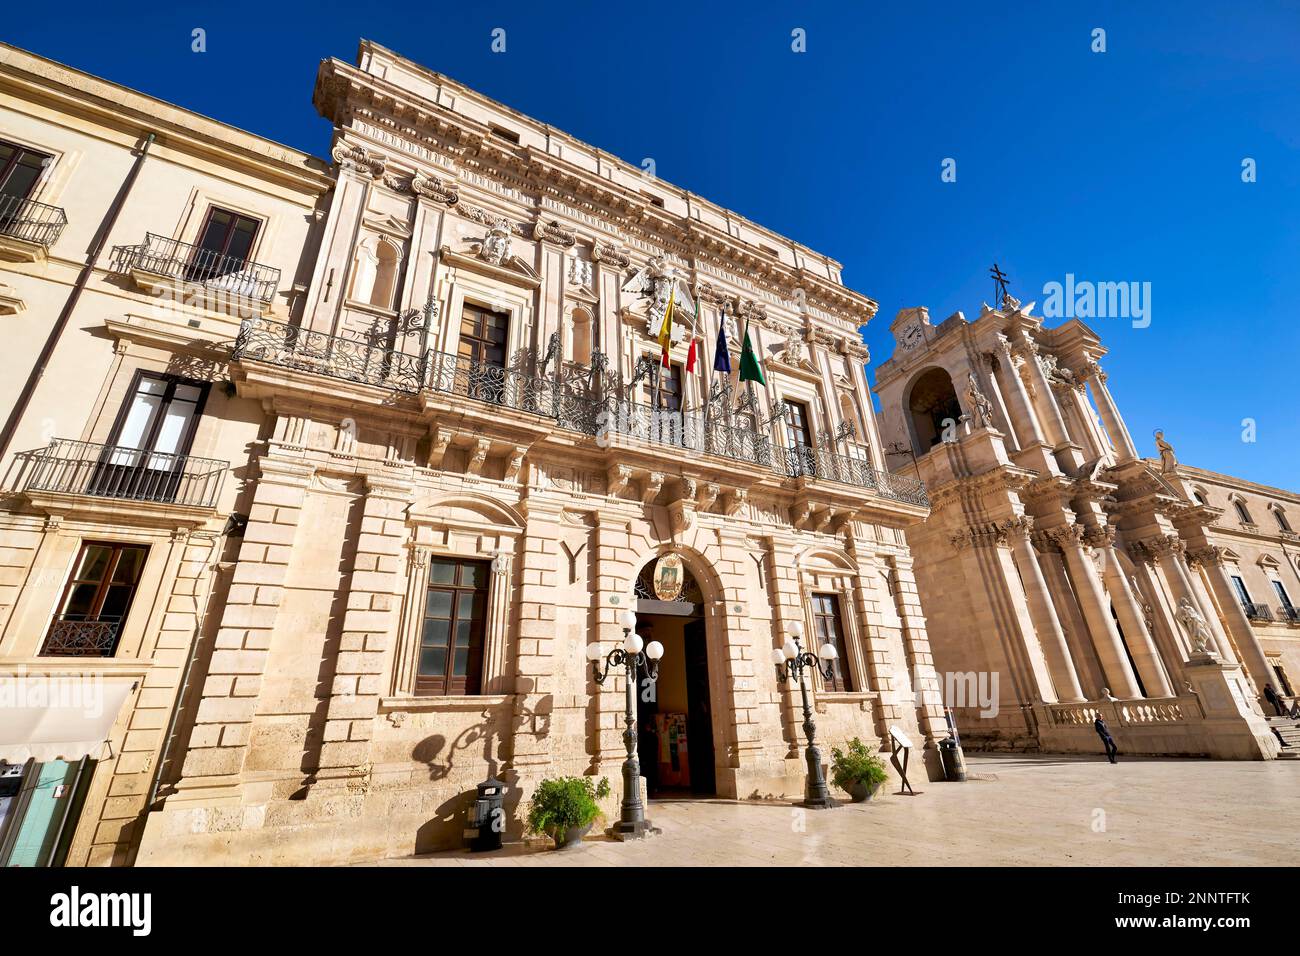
[721, 357]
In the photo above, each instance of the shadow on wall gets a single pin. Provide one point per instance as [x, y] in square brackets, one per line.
[481, 742]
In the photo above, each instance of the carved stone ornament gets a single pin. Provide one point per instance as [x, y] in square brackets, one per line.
[495, 246]
[554, 232]
[358, 159]
[610, 254]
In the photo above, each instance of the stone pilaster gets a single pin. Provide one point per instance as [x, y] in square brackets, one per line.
[614, 590]
[369, 626]
[220, 737]
[536, 646]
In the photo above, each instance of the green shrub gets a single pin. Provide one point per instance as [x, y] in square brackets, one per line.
[856, 765]
[565, 802]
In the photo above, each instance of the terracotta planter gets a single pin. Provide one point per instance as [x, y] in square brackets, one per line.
[861, 791]
[570, 837]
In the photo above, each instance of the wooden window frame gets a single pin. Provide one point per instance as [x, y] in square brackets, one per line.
[12, 162]
[448, 684]
[117, 549]
[183, 447]
[829, 628]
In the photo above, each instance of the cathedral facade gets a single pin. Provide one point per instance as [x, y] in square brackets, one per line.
[1067, 573]
[346, 519]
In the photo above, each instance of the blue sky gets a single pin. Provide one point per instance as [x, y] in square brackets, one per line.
[1116, 166]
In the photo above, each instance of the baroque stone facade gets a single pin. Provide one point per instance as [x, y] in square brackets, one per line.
[436, 354]
[1081, 577]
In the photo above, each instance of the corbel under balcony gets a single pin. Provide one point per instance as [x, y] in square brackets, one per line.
[11, 303]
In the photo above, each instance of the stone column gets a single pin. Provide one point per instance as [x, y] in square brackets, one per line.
[1140, 643]
[1024, 418]
[369, 626]
[1120, 439]
[1252, 652]
[1082, 653]
[222, 725]
[1096, 611]
[1045, 399]
[1168, 550]
[1046, 624]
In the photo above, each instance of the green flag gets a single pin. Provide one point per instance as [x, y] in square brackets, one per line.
[750, 370]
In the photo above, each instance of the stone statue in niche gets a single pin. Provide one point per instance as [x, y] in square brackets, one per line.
[1198, 632]
[981, 407]
[1168, 462]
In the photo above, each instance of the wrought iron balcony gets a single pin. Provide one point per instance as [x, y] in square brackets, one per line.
[1257, 612]
[159, 255]
[1289, 614]
[332, 355]
[75, 635]
[73, 467]
[31, 221]
[821, 463]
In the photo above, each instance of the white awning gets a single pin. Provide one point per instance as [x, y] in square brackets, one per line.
[52, 717]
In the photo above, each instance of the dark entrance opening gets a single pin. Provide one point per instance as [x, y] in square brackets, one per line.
[675, 721]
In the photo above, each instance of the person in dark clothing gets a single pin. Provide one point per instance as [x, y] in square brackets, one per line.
[1272, 697]
[1103, 732]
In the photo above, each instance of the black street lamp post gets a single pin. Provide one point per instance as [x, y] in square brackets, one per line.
[791, 660]
[632, 823]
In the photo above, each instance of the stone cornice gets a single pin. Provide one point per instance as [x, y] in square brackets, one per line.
[431, 129]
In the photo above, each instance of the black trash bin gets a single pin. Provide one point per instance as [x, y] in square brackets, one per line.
[486, 818]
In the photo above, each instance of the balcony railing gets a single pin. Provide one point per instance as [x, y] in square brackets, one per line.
[31, 221]
[332, 355]
[159, 255]
[577, 400]
[822, 463]
[73, 467]
[1257, 612]
[1289, 614]
[75, 635]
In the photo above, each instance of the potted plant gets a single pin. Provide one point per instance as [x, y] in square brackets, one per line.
[857, 771]
[564, 808]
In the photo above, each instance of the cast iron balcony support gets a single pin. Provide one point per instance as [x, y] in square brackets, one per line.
[791, 660]
[632, 823]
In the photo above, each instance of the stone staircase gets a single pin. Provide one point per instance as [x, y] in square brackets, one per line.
[1287, 729]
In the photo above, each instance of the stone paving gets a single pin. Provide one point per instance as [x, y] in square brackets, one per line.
[1016, 810]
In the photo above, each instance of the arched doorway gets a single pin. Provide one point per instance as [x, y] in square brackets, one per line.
[931, 404]
[675, 722]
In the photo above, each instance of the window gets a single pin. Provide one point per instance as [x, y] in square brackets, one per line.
[95, 601]
[451, 643]
[1280, 517]
[20, 170]
[1200, 497]
[669, 391]
[830, 630]
[145, 455]
[500, 132]
[1242, 513]
[1242, 594]
[482, 348]
[1282, 595]
[798, 435]
[224, 245]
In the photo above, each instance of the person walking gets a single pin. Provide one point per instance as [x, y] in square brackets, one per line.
[1107, 740]
[1272, 697]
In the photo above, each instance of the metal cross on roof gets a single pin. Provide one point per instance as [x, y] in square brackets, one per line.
[999, 284]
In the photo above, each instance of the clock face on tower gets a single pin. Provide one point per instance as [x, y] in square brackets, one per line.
[910, 337]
